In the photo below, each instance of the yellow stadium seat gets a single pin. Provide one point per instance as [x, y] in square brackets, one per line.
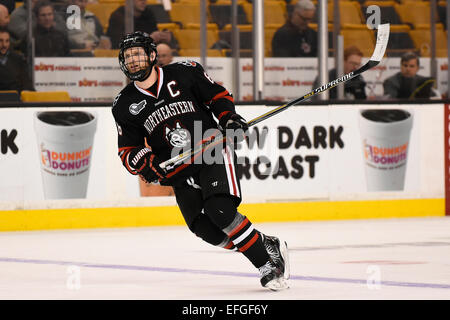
[414, 12]
[106, 53]
[241, 27]
[190, 38]
[103, 11]
[197, 53]
[168, 26]
[350, 12]
[185, 12]
[269, 31]
[274, 12]
[359, 36]
[422, 41]
[44, 96]
[197, 26]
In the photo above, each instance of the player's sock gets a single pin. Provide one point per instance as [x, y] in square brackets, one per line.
[246, 238]
[223, 213]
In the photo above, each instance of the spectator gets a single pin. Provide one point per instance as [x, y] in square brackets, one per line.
[13, 66]
[19, 17]
[295, 38]
[407, 84]
[165, 55]
[49, 42]
[9, 4]
[356, 87]
[144, 20]
[4, 16]
[90, 33]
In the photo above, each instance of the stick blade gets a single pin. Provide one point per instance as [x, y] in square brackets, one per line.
[382, 42]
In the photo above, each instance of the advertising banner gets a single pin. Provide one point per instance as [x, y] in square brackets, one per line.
[100, 79]
[50, 156]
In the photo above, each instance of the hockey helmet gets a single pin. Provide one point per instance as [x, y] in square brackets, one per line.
[137, 39]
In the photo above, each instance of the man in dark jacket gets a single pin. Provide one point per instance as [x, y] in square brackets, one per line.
[12, 67]
[144, 20]
[407, 84]
[295, 38]
[49, 41]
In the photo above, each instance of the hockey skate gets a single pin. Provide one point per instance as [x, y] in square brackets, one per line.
[272, 277]
[278, 252]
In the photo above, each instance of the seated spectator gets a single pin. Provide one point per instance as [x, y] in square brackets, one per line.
[9, 4]
[354, 88]
[4, 16]
[19, 17]
[13, 66]
[49, 42]
[165, 55]
[144, 20]
[295, 38]
[90, 33]
[407, 84]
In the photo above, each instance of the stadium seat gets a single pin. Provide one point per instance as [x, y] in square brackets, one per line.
[274, 12]
[44, 96]
[422, 41]
[245, 38]
[415, 12]
[185, 12]
[269, 31]
[350, 12]
[190, 38]
[360, 36]
[197, 53]
[388, 14]
[399, 40]
[9, 95]
[221, 14]
[103, 11]
[106, 53]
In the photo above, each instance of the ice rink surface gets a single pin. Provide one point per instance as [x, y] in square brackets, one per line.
[347, 259]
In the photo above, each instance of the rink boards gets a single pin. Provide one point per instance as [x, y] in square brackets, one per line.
[308, 163]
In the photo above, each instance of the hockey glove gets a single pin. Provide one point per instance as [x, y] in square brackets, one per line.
[235, 126]
[146, 165]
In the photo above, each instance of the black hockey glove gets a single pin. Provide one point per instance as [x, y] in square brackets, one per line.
[234, 126]
[146, 165]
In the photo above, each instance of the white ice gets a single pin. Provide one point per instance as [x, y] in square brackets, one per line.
[348, 259]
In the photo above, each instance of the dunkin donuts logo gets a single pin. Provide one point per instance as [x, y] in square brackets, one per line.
[65, 163]
[381, 156]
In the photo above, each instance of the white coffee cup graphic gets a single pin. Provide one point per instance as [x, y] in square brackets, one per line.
[385, 137]
[65, 141]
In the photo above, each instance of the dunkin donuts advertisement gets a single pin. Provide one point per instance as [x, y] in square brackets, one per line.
[308, 153]
[65, 140]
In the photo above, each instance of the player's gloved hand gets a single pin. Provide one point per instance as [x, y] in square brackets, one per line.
[146, 164]
[236, 124]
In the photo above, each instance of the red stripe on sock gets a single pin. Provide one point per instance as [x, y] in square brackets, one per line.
[229, 245]
[249, 244]
[238, 228]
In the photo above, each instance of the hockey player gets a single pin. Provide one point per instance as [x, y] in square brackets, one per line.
[163, 107]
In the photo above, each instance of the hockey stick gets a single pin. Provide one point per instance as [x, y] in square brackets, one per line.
[380, 48]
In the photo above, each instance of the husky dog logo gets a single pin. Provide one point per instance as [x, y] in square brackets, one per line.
[135, 108]
[178, 137]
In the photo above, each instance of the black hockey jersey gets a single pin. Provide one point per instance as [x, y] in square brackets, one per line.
[171, 116]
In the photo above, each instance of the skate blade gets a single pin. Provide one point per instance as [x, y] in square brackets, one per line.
[277, 284]
[285, 256]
